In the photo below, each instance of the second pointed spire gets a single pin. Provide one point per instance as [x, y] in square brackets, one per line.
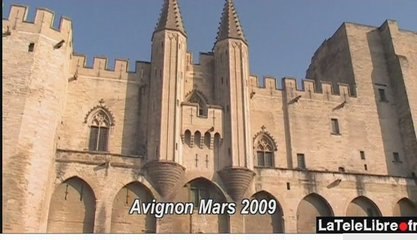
[171, 18]
[230, 26]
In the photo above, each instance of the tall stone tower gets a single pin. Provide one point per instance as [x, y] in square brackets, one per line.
[33, 98]
[231, 79]
[169, 45]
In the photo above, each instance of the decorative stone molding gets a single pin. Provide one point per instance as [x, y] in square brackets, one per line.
[199, 93]
[268, 135]
[101, 107]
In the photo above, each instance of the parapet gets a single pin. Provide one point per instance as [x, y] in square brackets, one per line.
[43, 23]
[309, 89]
[305, 87]
[268, 82]
[100, 68]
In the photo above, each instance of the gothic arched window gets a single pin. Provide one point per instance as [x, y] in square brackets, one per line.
[196, 97]
[99, 131]
[265, 148]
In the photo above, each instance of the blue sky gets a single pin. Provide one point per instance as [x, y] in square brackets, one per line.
[282, 35]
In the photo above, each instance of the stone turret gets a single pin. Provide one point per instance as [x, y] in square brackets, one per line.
[169, 48]
[231, 55]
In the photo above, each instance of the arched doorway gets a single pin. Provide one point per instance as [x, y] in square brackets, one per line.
[405, 208]
[312, 206]
[203, 189]
[265, 223]
[72, 208]
[362, 207]
[121, 221]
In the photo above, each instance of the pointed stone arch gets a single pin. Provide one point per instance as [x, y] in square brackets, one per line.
[310, 207]
[72, 208]
[196, 93]
[121, 221]
[198, 97]
[405, 208]
[264, 147]
[265, 135]
[214, 190]
[97, 110]
[99, 120]
[203, 189]
[363, 207]
[265, 223]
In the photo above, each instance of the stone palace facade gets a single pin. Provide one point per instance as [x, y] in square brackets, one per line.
[80, 142]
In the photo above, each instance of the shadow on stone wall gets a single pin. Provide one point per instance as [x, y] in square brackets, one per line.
[396, 70]
[134, 123]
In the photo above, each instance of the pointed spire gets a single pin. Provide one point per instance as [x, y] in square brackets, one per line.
[229, 24]
[170, 18]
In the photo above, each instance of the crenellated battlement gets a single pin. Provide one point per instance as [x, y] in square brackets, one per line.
[306, 87]
[42, 24]
[100, 68]
[267, 82]
[309, 86]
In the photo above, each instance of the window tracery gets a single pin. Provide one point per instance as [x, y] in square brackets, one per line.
[100, 123]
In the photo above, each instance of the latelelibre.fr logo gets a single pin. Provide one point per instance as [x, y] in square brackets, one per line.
[366, 225]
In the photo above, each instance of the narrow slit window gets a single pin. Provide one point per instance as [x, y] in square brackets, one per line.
[301, 161]
[335, 126]
[31, 47]
[396, 157]
[382, 95]
[362, 155]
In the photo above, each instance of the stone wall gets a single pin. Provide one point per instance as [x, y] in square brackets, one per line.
[401, 60]
[35, 73]
[51, 96]
[376, 67]
[296, 192]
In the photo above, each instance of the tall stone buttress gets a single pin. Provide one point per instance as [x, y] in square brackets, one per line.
[231, 55]
[169, 46]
